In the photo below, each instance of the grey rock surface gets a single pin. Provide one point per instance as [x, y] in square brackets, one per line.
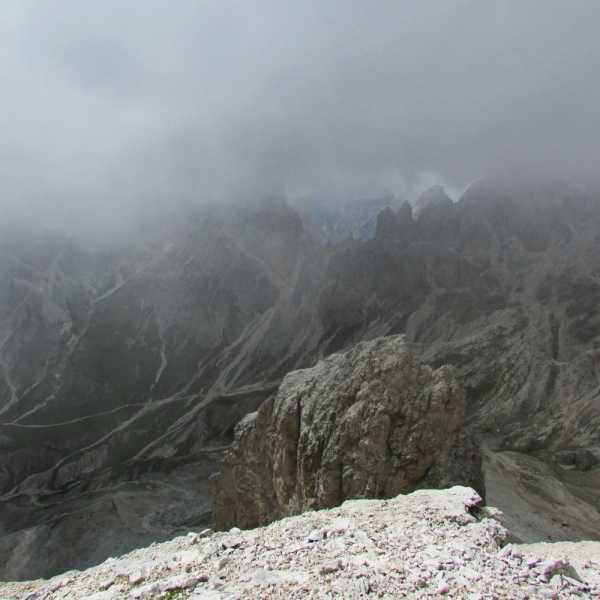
[371, 423]
[544, 503]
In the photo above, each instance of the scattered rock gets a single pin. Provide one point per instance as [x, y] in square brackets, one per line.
[106, 584]
[586, 459]
[443, 588]
[232, 542]
[330, 567]
[206, 533]
[225, 560]
[412, 546]
[113, 593]
[59, 583]
[361, 586]
[316, 536]
[190, 582]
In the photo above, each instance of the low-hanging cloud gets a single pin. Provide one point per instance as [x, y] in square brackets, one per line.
[106, 107]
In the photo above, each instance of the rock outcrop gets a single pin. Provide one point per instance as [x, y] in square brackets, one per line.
[371, 423]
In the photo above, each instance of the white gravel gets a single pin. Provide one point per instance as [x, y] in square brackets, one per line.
[429, 544]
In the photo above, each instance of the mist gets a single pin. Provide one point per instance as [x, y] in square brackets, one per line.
[109, 109]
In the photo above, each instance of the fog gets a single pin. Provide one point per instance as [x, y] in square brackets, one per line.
[109, 108]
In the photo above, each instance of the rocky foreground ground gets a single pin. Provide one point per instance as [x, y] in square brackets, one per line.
[431, 543]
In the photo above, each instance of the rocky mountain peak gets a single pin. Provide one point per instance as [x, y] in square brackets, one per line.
[399, 225]
[386, 223]
[434, 195]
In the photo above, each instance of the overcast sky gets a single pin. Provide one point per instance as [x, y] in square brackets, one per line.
[109, 105]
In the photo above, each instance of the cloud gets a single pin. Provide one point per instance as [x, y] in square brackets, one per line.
[110, 107]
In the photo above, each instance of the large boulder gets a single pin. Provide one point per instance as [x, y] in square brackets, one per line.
[371, 423]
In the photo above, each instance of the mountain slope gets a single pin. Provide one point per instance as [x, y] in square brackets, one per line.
[123, 371]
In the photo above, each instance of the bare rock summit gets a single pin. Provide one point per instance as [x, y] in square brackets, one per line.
[371, 423]
[428, 544]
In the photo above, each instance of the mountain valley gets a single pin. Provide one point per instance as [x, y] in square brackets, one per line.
[125, 370]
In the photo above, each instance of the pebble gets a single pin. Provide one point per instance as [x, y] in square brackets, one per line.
[316, 536]
[331, 567]
[136, 577]
[206, 533]
[232, 542]
[106, 584]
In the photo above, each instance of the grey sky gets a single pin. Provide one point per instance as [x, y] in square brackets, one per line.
[109, 105]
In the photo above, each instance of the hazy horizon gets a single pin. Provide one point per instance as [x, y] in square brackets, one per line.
[111, 108]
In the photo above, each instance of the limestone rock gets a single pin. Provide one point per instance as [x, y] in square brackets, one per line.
[371, 423]
[430, 543]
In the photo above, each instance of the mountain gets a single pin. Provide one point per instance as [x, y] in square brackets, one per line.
[336, 217]
[125, 370]
[503, 285]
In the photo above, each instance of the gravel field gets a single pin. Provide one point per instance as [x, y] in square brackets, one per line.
[428, 544]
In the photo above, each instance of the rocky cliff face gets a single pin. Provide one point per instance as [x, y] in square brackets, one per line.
[124, 371]
[502, 285]
[368, 424]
